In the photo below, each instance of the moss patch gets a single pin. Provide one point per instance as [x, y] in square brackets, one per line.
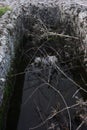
[3, 10]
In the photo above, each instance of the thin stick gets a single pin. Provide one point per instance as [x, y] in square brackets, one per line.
[71, 79]
[80, 125]
[60, 35]
[38, 110]
[60, 96]
[76, 92]
[33, 93]
[52, 116]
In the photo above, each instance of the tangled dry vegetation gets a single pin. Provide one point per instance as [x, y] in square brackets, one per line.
[47, 55]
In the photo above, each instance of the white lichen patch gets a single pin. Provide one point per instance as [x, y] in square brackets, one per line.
[52, 59]
[49, 60]
[1, 53]
[2, 79]
[10, 26]
[37, 60]
[82, 16]
[3, 40]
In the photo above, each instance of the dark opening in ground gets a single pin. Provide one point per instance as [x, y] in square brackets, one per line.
[48, 86]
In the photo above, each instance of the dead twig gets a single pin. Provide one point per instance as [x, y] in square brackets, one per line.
[70, 79]
[57, 34]
[80, 125]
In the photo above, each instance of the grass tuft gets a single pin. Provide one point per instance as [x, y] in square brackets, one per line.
[3, 10]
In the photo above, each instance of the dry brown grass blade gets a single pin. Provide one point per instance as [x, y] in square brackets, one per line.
[71, 79]
[53, 115]
[60, 35]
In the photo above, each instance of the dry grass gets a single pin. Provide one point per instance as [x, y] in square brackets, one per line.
[80, 104]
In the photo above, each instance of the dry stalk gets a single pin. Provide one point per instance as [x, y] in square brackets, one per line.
[62, 35]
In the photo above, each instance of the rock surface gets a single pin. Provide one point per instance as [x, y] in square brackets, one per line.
[13, 25]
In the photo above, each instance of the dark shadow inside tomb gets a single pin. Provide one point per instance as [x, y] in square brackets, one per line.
[48, 75]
